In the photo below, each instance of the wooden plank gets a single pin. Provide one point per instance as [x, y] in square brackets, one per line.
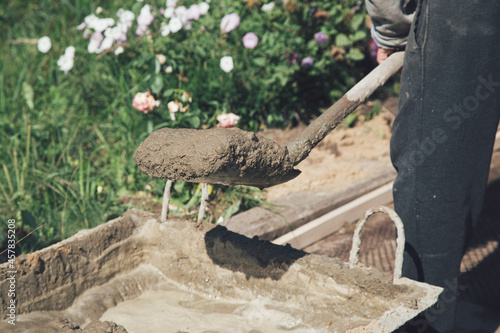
[300, 208]
[334, 220]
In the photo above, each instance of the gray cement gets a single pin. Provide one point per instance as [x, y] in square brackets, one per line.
[137, 262]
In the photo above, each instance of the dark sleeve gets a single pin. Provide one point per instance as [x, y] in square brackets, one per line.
[391, 21]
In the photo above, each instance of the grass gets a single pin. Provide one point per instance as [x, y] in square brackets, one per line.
[67, 141]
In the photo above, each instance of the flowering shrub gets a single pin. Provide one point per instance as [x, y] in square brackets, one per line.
[268, 62]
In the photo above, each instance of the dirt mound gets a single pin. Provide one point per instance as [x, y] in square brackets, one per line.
[344, 156]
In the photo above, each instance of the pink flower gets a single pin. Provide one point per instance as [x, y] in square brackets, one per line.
[145, 102]
[230, 22]
[250, 40]
[227, 120]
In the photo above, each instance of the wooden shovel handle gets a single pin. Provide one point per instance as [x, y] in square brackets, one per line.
[300, 146]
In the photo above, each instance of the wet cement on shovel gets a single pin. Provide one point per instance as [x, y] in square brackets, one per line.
[228, 156]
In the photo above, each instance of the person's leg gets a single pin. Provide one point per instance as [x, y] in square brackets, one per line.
[443, 137]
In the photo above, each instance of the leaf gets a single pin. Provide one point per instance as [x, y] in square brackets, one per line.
[261, 61]
[342, 40]
[157, 66]
[168, 92]
[351, 119]
[359, 35]
[157, 84]
[356, 21]
[28, 95]
[195, 122]
[355, 54]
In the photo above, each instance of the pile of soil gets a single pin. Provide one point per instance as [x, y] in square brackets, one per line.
[347, 154]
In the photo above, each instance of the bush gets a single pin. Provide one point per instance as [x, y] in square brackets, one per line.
[307, 55]
[68, 137]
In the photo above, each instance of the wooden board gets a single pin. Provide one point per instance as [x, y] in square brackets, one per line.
[334, 220]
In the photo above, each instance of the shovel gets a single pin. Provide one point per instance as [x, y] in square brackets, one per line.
[237, 157]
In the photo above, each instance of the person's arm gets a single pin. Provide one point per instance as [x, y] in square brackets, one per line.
[391, 24]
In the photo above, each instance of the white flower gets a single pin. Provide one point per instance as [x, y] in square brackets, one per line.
[107, 42]
[175, 24]
[182, 13]
[95, 42]
[226, 64]
[115, 33]
[161, 58]
[90, 20]
[227, 120]
[44, 44]
[174, 106]
[102, 24]
[203, 7]
[268, 7]
[229, 22]
[93, 46]
[125, 16]
[145, 17]
[169, 12]
[119, 50]
[164, 30]
[65, 63]
[171, 3]
[193, 12]
[169, 69]
[70, 52]
[98, 10]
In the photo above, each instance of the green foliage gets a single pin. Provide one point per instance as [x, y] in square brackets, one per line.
[67, 140]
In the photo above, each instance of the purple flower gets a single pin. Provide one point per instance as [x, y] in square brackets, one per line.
[250, 40]
[307, 62]
[320, 37]
[229, 22]
[373, 47]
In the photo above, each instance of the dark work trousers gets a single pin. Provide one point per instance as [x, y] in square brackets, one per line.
[443, 136]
